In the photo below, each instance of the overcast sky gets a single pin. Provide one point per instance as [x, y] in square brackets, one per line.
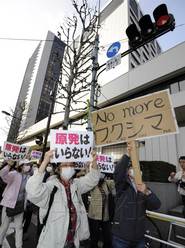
[31, 19]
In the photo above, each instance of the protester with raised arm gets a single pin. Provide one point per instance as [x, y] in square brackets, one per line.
[67, 222]
[132, 201]
[15, 175]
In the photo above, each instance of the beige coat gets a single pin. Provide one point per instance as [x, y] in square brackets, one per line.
[95, 207]
[55, 232]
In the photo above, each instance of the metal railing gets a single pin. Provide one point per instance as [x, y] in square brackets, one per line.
[174, 221]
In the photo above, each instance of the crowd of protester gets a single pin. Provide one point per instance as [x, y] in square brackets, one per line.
[77, 208]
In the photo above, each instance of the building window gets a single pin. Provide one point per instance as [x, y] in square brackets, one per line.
[135, 59]
[43, 110]
[116, 151]
[158, 48]
[174, 88]
[145, 47]
[152, 48]
[134, 7]
[140, 13]
[134, 21]
[145, 56]
[132, 65]
[152, 54]
[133, 17]
[138, 53]
[182, 85]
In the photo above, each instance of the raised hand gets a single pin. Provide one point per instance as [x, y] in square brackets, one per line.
[48, 155]
[172, 174]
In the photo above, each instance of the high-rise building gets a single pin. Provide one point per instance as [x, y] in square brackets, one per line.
[42, 73]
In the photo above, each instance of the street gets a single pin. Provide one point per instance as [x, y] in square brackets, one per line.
[29, 241]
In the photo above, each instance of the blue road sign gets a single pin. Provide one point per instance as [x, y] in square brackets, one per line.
[113, 49]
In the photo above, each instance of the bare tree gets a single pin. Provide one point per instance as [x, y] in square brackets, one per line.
[79, 32]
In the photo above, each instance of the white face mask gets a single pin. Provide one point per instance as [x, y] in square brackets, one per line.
[49, 169]
[67, 172]
[26, 168]
[35, 168]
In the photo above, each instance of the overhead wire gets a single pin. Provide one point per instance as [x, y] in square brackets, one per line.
[33, 39]
[102, 47]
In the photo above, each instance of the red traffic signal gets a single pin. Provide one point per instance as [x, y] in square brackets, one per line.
[147, 30]
[162, 18]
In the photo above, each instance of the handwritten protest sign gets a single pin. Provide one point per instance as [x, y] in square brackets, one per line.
[105, 163]
[147, 116]
[36, 154]
[71, 146]
[14, 151]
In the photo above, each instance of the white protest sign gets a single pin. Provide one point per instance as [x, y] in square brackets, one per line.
[14, 151]
[105, 163]
[36, 154]
[71, 146]
[80, 165]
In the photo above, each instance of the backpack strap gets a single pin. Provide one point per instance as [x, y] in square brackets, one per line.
[50, 204]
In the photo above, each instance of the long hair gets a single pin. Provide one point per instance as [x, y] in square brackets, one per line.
[13, 166]
[18, 167]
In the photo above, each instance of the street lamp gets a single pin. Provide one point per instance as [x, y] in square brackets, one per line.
[8, 114]
[14, 127]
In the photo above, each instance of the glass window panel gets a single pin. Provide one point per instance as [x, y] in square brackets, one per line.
[174, 88]
[182, 85]
[115, 150]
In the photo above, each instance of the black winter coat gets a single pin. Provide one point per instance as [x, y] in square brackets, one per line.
[131, 206]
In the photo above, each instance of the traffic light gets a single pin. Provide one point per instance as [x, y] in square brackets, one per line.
[39, 140]
[148, 30]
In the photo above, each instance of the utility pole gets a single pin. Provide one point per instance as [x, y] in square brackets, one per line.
[51, 108]
[95, 67]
